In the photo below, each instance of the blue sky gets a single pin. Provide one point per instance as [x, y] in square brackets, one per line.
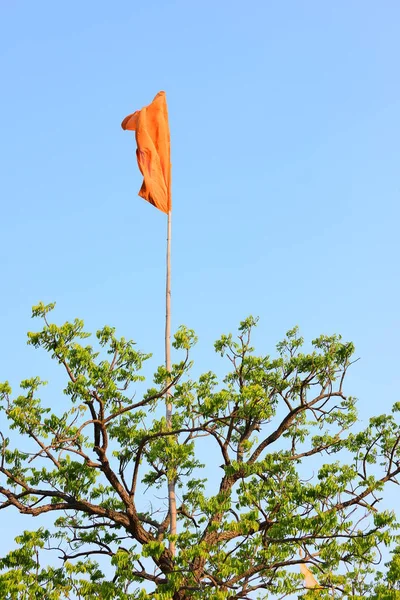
[285, 147]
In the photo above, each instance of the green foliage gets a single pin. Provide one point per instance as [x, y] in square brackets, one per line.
[285, 479]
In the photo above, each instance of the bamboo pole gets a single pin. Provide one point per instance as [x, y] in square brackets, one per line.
[171, 482]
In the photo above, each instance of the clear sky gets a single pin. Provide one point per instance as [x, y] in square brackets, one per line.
[285, 128]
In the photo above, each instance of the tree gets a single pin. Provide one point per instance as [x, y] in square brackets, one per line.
[288, 480]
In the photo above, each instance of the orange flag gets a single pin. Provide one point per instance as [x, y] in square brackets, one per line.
[153, 151]
[309, 579]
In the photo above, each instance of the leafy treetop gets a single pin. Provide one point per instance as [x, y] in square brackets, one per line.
[285, 479]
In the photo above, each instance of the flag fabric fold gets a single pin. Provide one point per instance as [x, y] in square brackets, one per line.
[153, 152]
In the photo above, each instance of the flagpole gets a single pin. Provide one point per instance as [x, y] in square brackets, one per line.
[171, 482]
[153, 156]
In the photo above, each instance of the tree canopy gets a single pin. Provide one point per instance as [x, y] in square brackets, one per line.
[275, 479]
